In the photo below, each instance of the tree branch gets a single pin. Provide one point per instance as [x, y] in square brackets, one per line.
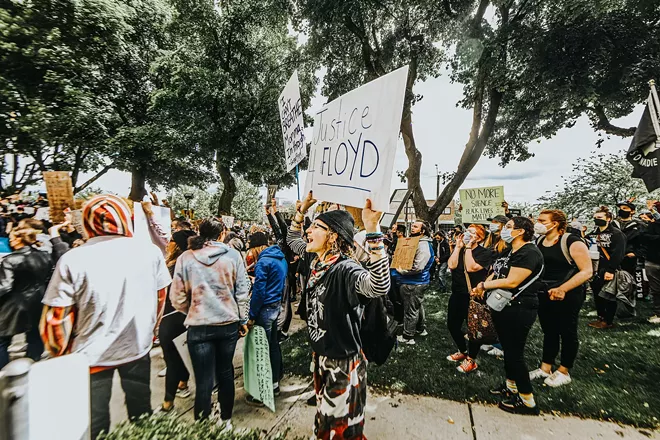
[94, 178]
[604, 124]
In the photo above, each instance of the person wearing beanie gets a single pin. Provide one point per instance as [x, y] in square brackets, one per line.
[414, 283]
[337, 288]
[113, 287]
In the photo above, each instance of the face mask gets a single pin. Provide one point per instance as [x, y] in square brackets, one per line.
[506, 235]
[494, 227]
[540, 229]
[467, 237]
[600, 222]
[624, 214]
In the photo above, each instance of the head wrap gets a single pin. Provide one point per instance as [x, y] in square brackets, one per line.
[107, 215]
[340, 222]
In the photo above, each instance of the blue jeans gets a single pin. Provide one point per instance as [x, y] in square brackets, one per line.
[267, 318]
[212, 350]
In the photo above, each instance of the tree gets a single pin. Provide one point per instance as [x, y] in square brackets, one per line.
[531, 69]
[602, 179]
[220, 86]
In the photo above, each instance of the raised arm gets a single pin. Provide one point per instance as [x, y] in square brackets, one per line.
[294, 236]
[375, 281]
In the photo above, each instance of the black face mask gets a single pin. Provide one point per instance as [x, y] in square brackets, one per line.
[624, 214]
[416, 235]
[600, 222]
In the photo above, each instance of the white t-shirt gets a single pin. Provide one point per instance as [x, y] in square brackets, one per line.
[113, 282]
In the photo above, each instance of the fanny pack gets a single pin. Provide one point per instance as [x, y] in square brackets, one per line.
[498, 299]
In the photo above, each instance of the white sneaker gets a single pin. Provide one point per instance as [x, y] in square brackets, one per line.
[162, 372]
[557, 379]
[227, 426]
[486, 348]
[405, 341]
[496, 352]
[655, 319]
[538, 374]
[424, 333]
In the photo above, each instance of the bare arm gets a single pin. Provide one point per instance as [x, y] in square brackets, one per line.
[515, 278]
[580, 254]
[453, 259]
[470, 264]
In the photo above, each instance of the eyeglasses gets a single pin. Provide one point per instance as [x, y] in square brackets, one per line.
[317, 225]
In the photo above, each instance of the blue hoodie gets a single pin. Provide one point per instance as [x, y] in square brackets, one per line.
[269, 277]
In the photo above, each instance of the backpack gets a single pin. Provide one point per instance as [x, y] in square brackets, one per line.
[378, 331]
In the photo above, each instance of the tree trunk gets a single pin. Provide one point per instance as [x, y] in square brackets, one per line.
[228, 190]
[138, 185]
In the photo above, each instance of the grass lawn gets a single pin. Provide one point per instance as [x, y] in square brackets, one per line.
[616, 376]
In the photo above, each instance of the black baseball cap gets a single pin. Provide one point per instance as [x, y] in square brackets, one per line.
[630, 205]
[499, 219]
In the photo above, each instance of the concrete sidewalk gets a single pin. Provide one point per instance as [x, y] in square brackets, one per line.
[390, 416]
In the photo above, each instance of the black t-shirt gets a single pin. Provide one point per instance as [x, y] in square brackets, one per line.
[527, 257]
[557, 269]
[484, 257]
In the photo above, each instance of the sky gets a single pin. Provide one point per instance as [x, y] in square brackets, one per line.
[441, 131]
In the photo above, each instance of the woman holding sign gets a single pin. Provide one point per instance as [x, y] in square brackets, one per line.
[337, 288]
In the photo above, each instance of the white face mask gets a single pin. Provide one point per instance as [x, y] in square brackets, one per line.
[467, 237]
[541, 229]
[494, 227]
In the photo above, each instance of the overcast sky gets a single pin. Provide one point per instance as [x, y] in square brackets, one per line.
[441, 131]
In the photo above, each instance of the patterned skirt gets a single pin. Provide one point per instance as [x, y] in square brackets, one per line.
[341, 396]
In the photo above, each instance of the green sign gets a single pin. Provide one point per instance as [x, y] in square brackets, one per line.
[257, 373]
[480, 204]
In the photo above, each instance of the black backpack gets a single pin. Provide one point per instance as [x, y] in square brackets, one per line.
[378, 332]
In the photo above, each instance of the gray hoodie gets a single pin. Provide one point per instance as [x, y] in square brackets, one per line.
[211, 286]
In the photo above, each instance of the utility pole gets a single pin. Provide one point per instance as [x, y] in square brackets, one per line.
[437, 182]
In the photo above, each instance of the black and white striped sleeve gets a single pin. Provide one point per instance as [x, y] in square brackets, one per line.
[295, 242]
[375, 281]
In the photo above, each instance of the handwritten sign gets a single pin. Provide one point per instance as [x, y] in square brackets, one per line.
[480, 204]
[228, 221]
[257, 372]
[291, 117]
[60, 194]
[404, 254]
[354, 143]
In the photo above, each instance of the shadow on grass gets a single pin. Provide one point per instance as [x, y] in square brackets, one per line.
[616, 376]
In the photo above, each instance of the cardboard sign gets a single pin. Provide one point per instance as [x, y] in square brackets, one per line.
[60, 194]
[77, 222]
[404, 254]
[480, 204]
[354, 143]
[293, 127]
[257, 372]
[228, 221]
[272, 190]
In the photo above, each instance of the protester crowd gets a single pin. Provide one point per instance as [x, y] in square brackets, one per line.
[110, 297]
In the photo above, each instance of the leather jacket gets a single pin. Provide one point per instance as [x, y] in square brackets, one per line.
[24, 275]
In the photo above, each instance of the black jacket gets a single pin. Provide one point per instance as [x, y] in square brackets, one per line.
[633, 231]
[441, 249]
[611, 247]
[651, 242]
[24, 275]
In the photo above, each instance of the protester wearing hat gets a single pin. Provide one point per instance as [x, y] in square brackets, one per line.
[414, 282]
[494, 241]
[632, 229]
[257, 243]
[334, 310]
[111, 291]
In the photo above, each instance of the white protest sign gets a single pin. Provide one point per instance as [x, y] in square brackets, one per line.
[354, 143]
[181, 344]
[228, 221]
[50, 381]
[141, 227]
[291, 117]
[480, 204]
[42, 213]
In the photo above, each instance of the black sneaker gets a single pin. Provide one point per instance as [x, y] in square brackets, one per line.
[253, 402]
[501, 390]
[312, 400]
[515, 405]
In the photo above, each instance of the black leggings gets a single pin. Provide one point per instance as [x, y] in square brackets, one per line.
[457, 313]
[606, 309]
[559, 321]
[513, 324]
[170, 327]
